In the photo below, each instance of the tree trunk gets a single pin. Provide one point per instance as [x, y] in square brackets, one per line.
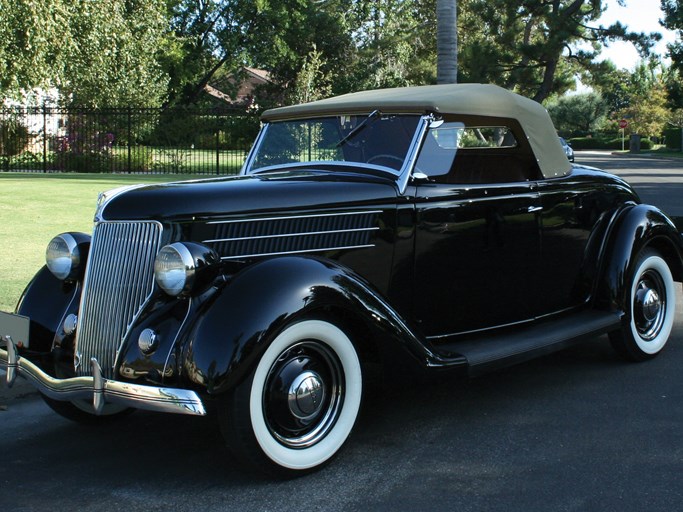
[446, 42]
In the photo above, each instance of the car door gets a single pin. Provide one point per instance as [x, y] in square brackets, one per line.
[573, 206]
[477, 250]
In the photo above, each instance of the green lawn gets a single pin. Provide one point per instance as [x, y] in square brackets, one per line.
[36, 207]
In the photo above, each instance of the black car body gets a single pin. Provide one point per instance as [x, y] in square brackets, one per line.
[440, 227]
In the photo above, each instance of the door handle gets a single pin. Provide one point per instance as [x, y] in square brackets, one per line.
[534, 209]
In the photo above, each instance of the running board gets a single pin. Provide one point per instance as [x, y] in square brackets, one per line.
[499, 350]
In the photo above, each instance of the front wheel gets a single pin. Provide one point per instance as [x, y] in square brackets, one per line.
[651, 310]
[82, 411]
[300, 403]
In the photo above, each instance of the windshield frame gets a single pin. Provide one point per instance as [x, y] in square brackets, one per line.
[401, 176]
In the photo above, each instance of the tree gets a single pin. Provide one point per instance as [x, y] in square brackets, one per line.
[611, 83]
[446, 42]
[393, 45]
[578, 113]
[95, 53]
[32, 44]
[222, 36]
[311, 83]
[673, 20]
[647, 100]
[648, 112]
[113, 56]
[530, 45]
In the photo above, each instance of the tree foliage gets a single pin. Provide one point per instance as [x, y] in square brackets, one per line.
[612, 84]
[210, 35]
[647, 110]
[395, 41]
[578, 114]
[147, 52]
[531, 45]
[113, 55]
[96, 53]
[673, 20]
[32, 44]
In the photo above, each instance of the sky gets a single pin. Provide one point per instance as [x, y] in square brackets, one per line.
[638, 16]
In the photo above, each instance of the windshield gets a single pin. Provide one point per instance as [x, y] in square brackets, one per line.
[379, 140]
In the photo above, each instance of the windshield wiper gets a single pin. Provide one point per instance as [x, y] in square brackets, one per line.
[373, 115]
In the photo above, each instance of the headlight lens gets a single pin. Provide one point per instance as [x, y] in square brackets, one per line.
[173, 269]
[181, 268]
[63, 256]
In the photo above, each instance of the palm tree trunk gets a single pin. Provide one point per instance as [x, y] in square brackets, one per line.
[446, 42]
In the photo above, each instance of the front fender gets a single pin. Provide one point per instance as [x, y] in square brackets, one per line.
[46, 300]
[636, 228]
[237, 326]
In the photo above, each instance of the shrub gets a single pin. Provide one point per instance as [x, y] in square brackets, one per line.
[83, 162]
[607, 143]
[13, 137]
[141, 160]
[673, 138]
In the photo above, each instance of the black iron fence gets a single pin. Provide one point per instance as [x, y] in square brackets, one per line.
[125, 140]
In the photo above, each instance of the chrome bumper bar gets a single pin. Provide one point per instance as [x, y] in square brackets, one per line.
[97, 388]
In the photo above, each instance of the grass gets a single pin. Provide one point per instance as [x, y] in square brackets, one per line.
[663, 151]
[36, 207]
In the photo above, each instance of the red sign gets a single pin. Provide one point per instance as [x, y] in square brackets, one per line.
[623, 124]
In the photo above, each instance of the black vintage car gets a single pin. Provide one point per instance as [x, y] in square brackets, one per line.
[441, 227]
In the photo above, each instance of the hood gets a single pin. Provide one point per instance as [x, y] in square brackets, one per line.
[223, 197]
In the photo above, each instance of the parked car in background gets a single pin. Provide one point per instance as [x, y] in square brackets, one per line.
[567, 149]
[437, 227]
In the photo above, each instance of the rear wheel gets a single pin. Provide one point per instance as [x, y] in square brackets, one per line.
[300, 403]
[651, 309]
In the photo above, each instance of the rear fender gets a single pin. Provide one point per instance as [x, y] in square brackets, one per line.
[237, 326]
[637, 228]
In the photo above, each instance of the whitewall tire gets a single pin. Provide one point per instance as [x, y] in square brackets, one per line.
[651, 309]
[302, 400]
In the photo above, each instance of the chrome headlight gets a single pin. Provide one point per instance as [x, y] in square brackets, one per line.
[65, 255]
[183, 268]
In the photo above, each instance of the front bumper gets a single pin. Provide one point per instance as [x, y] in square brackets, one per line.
[97, 388]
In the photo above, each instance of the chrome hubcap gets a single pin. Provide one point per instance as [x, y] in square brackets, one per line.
[303, 395]
[649, 305]
[306, 395]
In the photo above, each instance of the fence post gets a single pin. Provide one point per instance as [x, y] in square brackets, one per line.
[129, 142]
[218, 148]
[44, 137]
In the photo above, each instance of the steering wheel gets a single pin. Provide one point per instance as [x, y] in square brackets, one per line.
[386, 156]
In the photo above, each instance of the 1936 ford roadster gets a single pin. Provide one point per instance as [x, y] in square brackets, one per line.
[440, 226]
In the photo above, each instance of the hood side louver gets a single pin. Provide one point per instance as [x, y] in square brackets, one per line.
[250, 238]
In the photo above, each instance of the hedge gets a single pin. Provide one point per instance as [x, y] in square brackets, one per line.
[673, 138]
[604, 143]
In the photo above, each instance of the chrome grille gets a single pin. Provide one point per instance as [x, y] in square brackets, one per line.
[249, 238]
[119, 279]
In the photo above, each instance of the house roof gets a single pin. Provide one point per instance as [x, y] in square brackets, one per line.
[238, 89]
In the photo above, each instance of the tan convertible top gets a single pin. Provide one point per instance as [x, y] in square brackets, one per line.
[463, 99]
